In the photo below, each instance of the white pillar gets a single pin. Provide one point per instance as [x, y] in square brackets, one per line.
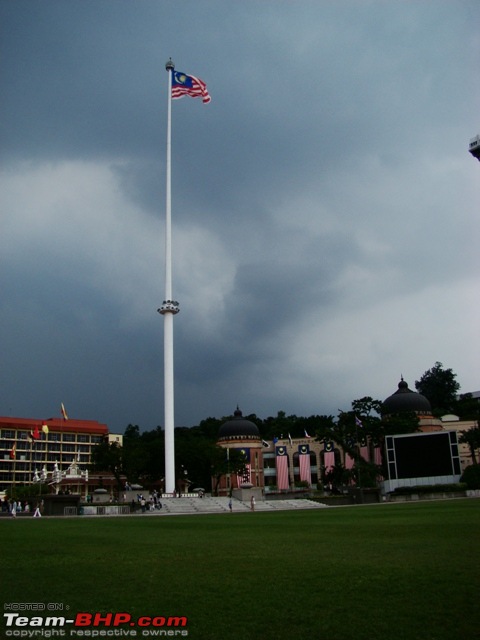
[168, 309]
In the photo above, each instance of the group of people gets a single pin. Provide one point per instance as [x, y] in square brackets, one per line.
[150, 504]
[15, 507]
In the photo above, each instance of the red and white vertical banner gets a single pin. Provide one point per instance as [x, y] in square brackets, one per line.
[281, 462]
[304, 463]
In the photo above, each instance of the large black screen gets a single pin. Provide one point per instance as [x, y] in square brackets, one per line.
[423, 456]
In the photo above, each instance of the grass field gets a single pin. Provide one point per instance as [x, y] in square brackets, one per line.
[383, 572]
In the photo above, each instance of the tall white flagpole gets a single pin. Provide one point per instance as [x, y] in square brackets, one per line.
[168, 309]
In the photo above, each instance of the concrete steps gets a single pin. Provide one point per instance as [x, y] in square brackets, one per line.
[220, 505]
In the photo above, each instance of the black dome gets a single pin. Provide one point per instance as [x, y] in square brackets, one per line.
[404, 399]
[238, 428]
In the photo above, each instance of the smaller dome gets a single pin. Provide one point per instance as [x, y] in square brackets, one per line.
[238, 428]
[404, 399]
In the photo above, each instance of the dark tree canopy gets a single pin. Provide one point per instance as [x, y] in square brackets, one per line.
[439, 386]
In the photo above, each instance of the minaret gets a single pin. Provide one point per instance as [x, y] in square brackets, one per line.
[169, 309]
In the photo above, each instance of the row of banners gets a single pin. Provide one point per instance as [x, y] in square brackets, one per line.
[281, 462]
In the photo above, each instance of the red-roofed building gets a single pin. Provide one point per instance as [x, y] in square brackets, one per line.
[29, 446]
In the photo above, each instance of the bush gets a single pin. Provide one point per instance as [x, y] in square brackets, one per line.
[431, 488]
[471, 476]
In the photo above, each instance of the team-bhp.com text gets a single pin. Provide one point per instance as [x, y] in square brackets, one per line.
[99, 625]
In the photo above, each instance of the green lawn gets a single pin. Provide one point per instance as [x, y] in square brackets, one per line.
[383, 572]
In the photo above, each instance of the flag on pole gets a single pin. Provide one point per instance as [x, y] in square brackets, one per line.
[265, 443]
[306, 434]
[290, 440]
[358, 422]
[13, 452]
[64, 413]
[183, 85]
[45, 428]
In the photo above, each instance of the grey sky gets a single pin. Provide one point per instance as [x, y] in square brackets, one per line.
[325, 206]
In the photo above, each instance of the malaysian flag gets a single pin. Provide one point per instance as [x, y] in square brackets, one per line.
[364, 453]
[304, 462]
[349, 462]
[244, 476]
[281, 462]
[328, 455]
[183, 85]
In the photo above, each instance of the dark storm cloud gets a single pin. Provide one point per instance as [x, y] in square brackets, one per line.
[323, 203]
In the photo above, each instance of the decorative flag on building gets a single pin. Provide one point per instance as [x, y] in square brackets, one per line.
[304, 463]
[290, 440]
[275, 440]
[265, 443]
[64, 413]
[35, 434]
[245, 476]
[349, 461]
[306, 434]
[183, 85]
[281, 462]
[364, 448]
[328, 455]
[13, 452]
[45, 428]
[377, 459]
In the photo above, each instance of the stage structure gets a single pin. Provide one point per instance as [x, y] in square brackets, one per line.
[179, 85]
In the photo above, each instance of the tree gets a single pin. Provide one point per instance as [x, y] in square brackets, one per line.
[472, 438]
[471, 476]
[467, 407]
[108, 456]
[440, 388]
